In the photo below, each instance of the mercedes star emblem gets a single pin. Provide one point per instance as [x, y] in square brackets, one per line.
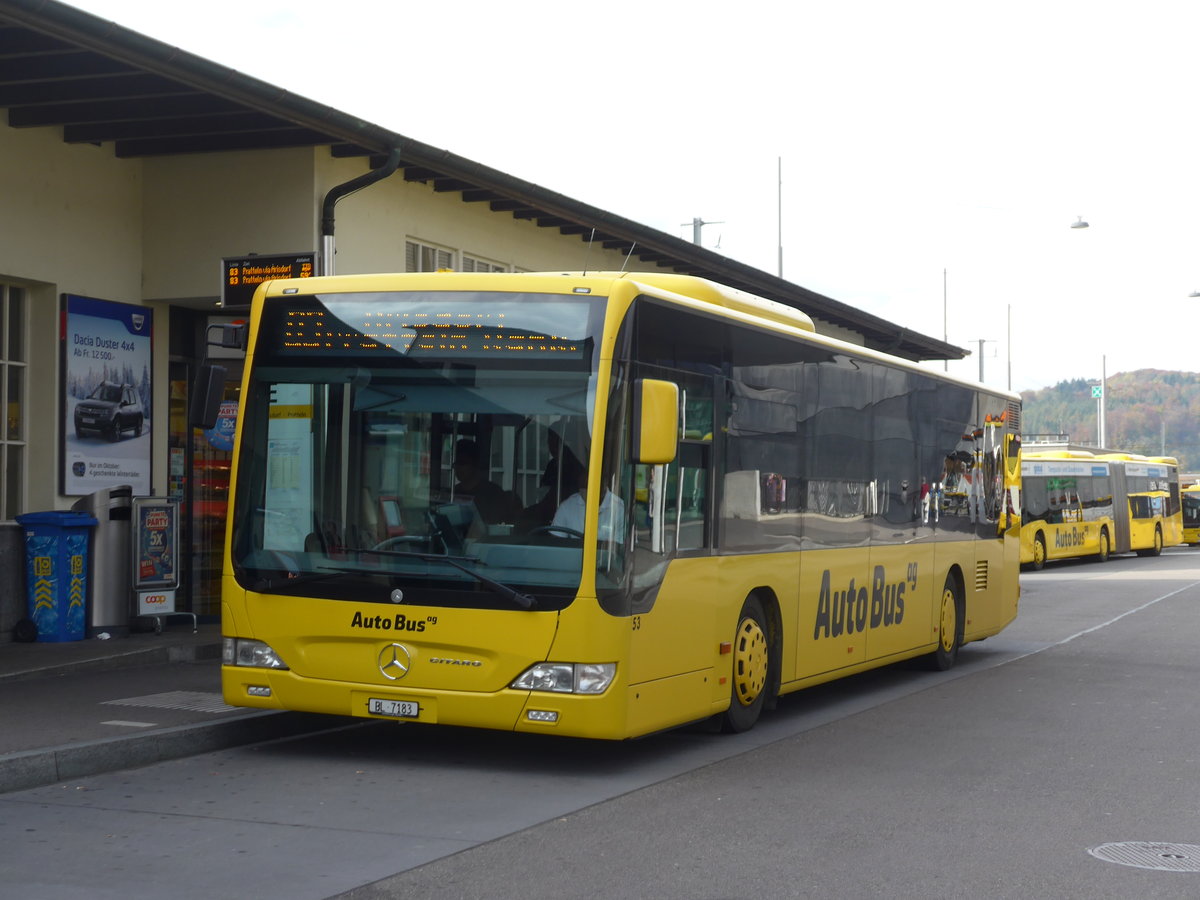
[394, 661]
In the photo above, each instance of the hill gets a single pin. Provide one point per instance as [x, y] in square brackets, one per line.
[1149, 411]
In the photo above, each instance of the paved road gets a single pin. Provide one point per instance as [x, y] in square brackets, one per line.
[1075, 728]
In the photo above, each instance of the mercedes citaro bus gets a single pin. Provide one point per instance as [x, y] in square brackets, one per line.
[595, 505]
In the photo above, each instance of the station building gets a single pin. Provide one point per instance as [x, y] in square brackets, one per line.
[133, 172]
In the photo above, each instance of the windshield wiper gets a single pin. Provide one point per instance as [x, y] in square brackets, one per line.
[523, 600]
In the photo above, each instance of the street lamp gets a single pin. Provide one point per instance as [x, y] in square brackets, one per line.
[1079, 223]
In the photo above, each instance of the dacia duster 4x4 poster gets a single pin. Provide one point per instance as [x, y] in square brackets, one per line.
[107, 395]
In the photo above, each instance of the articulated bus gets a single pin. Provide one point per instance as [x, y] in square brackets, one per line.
[1077, 503]
[1190, 497]
[597, 505]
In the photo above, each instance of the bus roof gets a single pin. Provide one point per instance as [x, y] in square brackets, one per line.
[720, 295]
[685, 287]
[1060, 454]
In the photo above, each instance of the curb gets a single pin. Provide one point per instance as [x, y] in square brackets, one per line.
[37, 768]
[143, 656]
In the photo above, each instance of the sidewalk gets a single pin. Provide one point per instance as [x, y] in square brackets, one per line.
[79, 708]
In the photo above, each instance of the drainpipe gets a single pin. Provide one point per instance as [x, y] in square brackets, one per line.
[342, 190]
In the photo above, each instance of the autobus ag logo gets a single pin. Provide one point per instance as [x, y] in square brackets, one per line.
[400, 622]
[857, 608]
[1076, 538]
[394, 661]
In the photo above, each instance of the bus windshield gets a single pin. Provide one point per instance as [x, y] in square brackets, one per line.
[416, 447]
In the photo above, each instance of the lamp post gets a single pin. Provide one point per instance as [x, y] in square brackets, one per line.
[698, 223]
[1099, 389]
[981, 342]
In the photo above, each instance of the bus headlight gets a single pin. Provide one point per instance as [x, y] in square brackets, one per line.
[255, 654]
[567, 678]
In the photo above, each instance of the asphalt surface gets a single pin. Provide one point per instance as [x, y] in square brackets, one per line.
[1072, 732]
[80, 708]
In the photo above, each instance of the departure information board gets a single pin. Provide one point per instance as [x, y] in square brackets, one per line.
[241, 275]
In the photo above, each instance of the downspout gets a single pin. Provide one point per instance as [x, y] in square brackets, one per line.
[342, 190]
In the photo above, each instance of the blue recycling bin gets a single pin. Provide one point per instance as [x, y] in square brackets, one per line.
[56, 572]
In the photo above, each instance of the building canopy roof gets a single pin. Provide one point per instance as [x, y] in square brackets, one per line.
[102, 83]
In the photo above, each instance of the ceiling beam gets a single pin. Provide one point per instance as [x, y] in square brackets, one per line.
[255, 140]
[230, 123]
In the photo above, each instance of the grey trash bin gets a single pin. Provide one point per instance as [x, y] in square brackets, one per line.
[110, 588]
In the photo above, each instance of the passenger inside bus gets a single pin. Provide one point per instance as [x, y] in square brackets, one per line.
[560, 479]
[495, 505]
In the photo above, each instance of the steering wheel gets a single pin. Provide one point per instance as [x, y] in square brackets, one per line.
[556, 529]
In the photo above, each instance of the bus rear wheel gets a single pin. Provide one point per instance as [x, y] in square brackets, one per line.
[949, 628]
[1039, 552]
[1157, 549]
[751, 667]
[1105, 547]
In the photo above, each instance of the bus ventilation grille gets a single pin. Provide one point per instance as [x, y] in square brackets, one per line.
[981, 575]
[1014, 417]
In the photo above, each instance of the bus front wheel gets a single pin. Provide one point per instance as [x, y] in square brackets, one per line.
[751, 665]
[949, 635]
[1039, 552]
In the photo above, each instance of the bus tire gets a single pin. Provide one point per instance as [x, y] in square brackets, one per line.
[950, 627]
[1153, 551]
[1105, 546]
[750, 669]
[1039, 552]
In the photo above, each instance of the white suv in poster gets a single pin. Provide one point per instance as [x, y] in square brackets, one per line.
[110, 411]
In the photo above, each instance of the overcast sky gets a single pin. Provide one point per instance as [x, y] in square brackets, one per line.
[934, 154]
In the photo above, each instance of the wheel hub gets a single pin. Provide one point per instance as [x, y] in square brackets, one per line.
[749, 662]
[949, 623]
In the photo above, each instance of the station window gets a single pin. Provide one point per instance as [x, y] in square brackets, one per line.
[474, 264]
[426, 258]
[13, 357]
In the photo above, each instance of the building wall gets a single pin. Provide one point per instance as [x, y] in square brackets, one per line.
[72, 215]
[72, 223]
[373, 225]
[201, 208]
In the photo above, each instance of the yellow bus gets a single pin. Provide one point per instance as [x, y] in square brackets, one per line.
[1190, 497]
[1076, 504]
[596, 505]
[1152, 505]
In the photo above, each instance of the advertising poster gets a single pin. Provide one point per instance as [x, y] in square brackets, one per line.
[156, 543]
[107, 407]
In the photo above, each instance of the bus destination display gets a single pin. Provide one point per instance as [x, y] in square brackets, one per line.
[315, 332]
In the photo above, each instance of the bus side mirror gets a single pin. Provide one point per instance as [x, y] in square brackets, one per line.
[229, 335]
[655, 421]
[207, 394]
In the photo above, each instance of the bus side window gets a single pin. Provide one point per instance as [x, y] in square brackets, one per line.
[671, 502]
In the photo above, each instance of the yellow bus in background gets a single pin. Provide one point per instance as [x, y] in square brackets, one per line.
[1078, 504]
[1152, 502]
[596, 505]
[1190, 497]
